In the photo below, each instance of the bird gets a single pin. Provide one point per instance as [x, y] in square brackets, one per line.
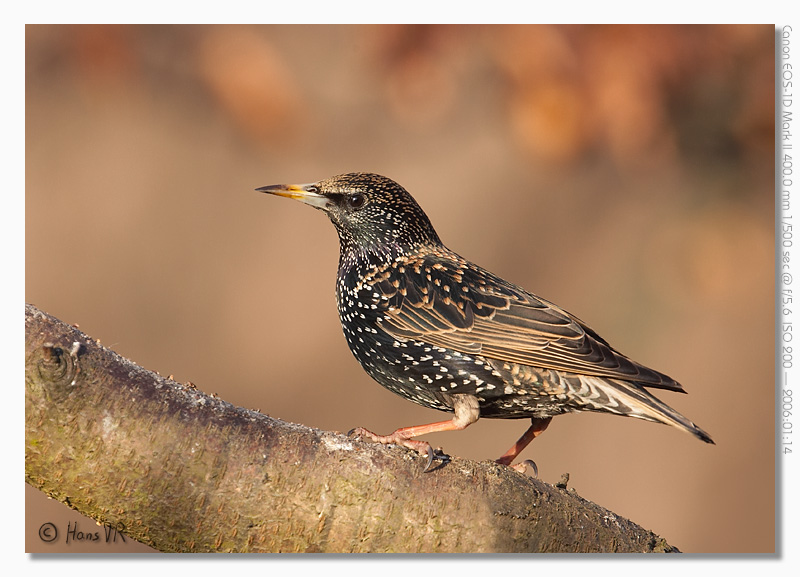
[447, 334]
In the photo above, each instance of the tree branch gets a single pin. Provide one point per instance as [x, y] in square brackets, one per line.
[183, 471]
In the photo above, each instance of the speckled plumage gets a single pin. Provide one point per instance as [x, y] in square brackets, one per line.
[447, 334]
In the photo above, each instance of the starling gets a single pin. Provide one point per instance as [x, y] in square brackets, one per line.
[447, 334]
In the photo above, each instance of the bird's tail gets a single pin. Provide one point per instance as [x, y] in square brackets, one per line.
[630, 400]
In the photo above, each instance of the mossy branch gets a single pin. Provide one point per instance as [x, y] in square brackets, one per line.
[180, 470]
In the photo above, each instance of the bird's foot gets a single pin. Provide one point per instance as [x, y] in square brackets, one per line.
[522, 467]
[400, 438]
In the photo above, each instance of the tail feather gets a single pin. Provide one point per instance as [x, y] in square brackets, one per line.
[628, 399]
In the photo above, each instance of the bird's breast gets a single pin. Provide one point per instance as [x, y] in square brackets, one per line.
[417, 370]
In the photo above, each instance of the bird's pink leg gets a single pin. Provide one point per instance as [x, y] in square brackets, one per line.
[537, 428]
[466, 413]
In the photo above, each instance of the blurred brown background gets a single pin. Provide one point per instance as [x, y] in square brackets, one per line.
[624, 172]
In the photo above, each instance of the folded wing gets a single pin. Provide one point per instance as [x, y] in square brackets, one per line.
[455, 304]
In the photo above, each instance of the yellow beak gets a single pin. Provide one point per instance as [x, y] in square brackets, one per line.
[306, 193]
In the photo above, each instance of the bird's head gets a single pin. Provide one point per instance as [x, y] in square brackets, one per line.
[371, 213]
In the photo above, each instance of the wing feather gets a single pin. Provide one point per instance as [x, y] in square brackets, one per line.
[479, 313]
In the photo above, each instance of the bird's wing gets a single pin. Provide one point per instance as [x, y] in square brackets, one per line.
[451, 303]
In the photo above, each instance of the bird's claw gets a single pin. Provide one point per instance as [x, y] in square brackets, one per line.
[523, 467]
[437, 455]
[421, 447]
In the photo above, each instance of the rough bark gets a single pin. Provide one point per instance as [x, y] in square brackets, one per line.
[180, 470]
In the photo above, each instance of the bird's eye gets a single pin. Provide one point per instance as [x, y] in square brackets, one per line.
[356, 200]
